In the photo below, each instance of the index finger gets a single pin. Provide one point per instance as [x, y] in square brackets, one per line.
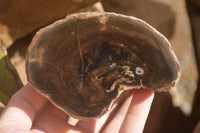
[138, 111]
[21, 110]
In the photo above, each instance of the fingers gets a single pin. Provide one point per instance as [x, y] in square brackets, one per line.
[51, 120]
[132, 115]
[21, 110]
[92, 126]
[137, 113]
[116, 122]
[24, 105]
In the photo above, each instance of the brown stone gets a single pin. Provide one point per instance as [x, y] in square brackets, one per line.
[20, 17]
[197, 128]
[98, 61]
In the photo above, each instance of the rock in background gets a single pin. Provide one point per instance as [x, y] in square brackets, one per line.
[194, 13]
[20, 17]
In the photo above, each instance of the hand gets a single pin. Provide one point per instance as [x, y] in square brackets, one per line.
[30, 112]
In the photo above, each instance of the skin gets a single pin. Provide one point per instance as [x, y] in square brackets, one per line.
[30, 112]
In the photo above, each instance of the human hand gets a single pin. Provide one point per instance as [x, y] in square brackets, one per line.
[30, 112]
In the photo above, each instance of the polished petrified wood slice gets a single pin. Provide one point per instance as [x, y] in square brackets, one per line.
[83, 62]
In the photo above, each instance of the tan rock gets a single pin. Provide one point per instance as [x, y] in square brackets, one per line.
[20, 17]
[157, 14]
[96, 7]
[183, 94]
[17, 56]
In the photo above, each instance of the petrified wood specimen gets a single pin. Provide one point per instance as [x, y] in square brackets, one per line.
[83, 62]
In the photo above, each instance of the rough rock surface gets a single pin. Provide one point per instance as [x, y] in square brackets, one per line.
[20, 17]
